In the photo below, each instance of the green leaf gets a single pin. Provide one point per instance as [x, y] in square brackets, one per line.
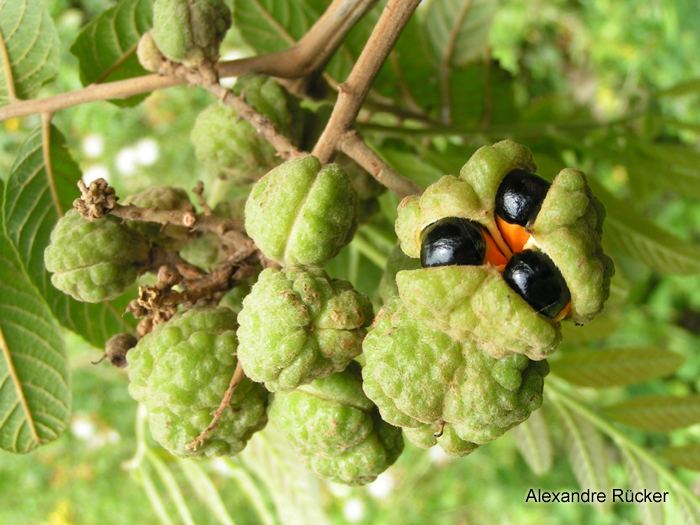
[685, 87]
[479, 94]
[205, 490]
[154, 498]
[106, 47]
[690, 511]
[412, 166]
[344, 58]
[409, 76]
[459, 29]
[586, 451]
[29, 48]
[645, 162]
[272, 25]
[657, 413]
[627, 232]
[170, 483]
[600, 328]
[687, 456]
[34, 199]
[641, 476]
[533, 442]
[615, 366]
[293, 488]
[458, 32]
[249, 486]
[34, 374]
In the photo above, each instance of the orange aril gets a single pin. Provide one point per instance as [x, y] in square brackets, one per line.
[516, 236]
[493, 254]
[564, 313]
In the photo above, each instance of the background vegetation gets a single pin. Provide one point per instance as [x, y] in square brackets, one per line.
[609, 86]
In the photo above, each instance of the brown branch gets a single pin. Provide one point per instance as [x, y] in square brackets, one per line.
[159, 302]
[198, 190]
[225, 229]
[236, 379]
[108, 91]
[307, 55]
[160, 257]
[354, 147]
[353, 91]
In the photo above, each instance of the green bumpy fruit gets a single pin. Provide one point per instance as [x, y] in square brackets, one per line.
[302, 213]
[229, 146]
[445, 437]
[181, 371]
[474, 302]
[298, 324]
[421, 378]
[396, 262]
[336, 428]
[367, 188]
[202, 251]
[94, 261]
[190, 31]
[163, 198]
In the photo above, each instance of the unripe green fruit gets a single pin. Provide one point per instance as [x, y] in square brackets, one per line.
[229, 146]
[421, 377]
[164, 198]
[148, 53]
[298, 324]
[94, 261]
[366, 187]
[190, 31]
[427, 436]
[232, 209]
[203, 251]
[474, 302]
[181, 371]
[336, 428]
[234, 297]
[396, 262]
[302, 212]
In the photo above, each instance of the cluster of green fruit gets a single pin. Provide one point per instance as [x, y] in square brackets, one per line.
[456, 355]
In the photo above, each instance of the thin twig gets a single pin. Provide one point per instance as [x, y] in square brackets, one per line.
[354, 147]
[198, 190]
[236, 379]
[223, 228]
[303, 58]
[353, 91]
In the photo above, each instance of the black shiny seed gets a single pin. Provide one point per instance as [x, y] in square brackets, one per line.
[536, 279]
[452, 241]
[520, 196]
